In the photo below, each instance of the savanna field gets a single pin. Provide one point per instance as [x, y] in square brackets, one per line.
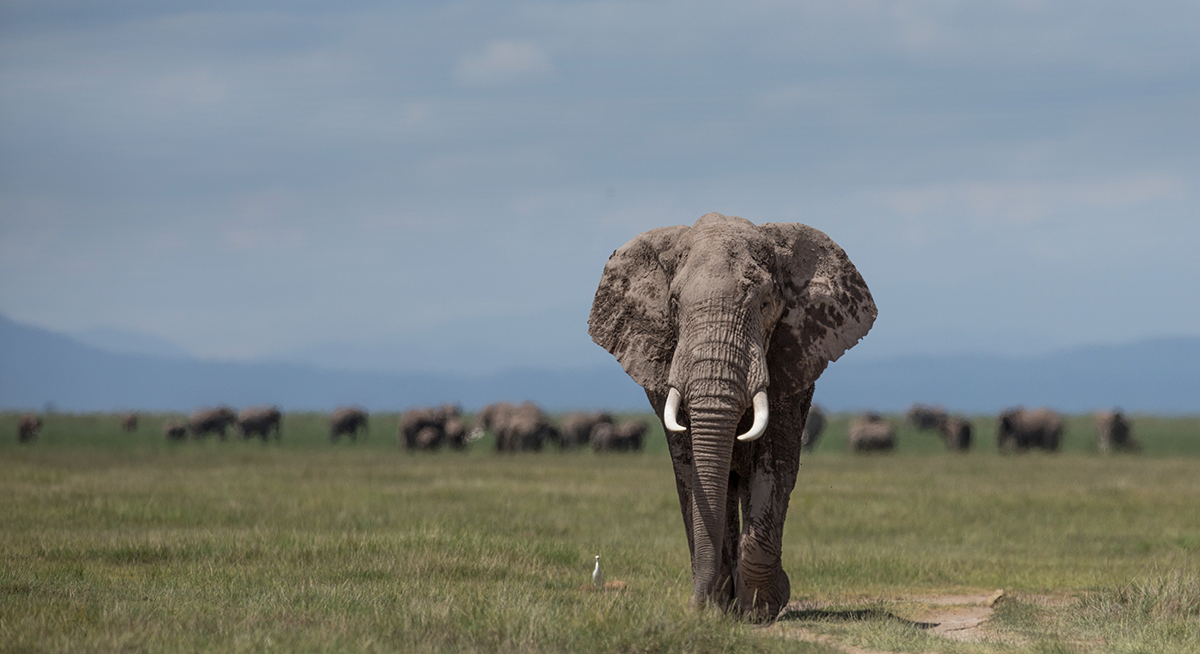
[118, 541]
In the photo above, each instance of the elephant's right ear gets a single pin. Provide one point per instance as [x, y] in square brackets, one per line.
[631, 314]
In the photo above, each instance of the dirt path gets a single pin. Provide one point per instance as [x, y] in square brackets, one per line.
[957, 617]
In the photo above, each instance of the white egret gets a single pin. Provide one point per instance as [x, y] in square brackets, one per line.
[597, 575]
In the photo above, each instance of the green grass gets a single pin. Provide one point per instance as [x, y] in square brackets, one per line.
[124, 542]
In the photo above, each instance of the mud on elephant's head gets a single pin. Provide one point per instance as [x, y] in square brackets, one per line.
[712, 320]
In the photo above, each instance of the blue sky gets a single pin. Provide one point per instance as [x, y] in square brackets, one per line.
[437, 186]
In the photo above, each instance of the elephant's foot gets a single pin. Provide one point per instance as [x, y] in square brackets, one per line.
[721, 598]
[763, 588]
[764, 604]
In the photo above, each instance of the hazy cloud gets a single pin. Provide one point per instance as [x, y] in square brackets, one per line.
[503, 62]
[240, 177]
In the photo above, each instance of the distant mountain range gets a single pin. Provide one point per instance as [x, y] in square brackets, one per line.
[41, 368]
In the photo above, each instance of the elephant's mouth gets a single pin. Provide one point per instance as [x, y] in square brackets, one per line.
[761, 414]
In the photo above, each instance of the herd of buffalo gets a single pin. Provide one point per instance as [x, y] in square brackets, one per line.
[526, 427]
[1017, 430]
[517, 427]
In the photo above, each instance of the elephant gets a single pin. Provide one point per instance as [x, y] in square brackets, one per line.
[457, 435]
[29, 427]
[1019, 429]
[175, 430]
[870, 432]
[348, 420]
[813, 426]
[521, 427]
[1113, 433]
[260, 421]
[129, 421]
[625, 437]
[726, 326]
[925, 417]
[205, 421]
[575, 429]
[955, 433]
[431, 427]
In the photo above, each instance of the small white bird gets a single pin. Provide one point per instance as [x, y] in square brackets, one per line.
[597, 575]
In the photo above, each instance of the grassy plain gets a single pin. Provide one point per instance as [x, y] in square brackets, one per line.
[124, 542]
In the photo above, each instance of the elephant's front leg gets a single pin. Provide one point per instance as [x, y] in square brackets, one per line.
[763, 588]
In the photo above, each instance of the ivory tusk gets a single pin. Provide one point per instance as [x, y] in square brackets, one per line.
[672, 408]
[761, 416]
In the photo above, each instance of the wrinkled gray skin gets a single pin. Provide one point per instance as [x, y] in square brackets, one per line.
[1020, 429]
[576, 428]
[432, 427]
[206, 421]
[346, 421]
[813, 426]
[175, 430]
[29, 427]
[518, 428]
[129, 421]
[871, 433]
[625, 437]
[1113, 433]
[955, 433]
[260, 421]
[720, 311]
[924, 417]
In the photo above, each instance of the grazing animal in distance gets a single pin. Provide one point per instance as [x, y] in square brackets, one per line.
[872, 433]
[625, 437]
[518, 428]
[1020, 429]
[206, 421]
[1114, 433]
[175, 430]
[129, 421]
[431, 427]
[955, 433]
[925, 417]
[347, 421]
[260, 421]
[29, 427]
[576, 428]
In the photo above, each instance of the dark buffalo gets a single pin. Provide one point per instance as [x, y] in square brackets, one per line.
[260, 421]
[347, 420]
[518, 428]
[29, 427]
[208, 421]
[175, 430]
[575, 428]
[1020, 429]
[431, 427]
[625, 437]
[1114, 434]
[129, 421]
[872, 433]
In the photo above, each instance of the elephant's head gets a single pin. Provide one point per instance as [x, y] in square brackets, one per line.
[719, 317]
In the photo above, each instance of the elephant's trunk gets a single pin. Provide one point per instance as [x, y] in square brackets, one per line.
[718, 368]
[712, 446]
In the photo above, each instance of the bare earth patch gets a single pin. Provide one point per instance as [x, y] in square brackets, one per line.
[957, 617]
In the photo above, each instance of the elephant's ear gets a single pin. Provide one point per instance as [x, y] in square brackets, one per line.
[828, 306]
[631, 314]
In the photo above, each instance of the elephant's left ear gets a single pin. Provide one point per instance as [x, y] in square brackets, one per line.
[828, 306]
